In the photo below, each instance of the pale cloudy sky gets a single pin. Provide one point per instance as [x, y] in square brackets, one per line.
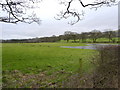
[103, 18]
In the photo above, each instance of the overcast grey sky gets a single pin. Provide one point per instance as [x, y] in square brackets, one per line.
[103, 18]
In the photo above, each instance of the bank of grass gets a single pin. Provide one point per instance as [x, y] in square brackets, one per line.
[51, 61]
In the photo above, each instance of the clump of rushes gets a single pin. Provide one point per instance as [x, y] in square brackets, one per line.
[106, 70]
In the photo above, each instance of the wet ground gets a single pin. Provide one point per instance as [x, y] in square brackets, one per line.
[90, 46]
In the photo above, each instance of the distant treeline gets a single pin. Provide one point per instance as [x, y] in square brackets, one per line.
[83, 37]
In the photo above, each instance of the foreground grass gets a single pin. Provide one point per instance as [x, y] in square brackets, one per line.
[43, 60]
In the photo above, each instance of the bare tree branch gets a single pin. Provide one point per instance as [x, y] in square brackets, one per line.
[69, 12]
[16, 11]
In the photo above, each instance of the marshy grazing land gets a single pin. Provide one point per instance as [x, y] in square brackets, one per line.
[40, 65]
[51, 62]
[37, 52]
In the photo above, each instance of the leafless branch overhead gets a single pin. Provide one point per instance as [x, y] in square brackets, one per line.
[68, 12]
[16, 11]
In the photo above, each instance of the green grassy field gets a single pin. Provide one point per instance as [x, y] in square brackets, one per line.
[38, 58]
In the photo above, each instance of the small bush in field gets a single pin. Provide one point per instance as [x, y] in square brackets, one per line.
[106, 72]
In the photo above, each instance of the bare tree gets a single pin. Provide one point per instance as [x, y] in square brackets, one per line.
[14, 11]
[94, 35]
[67, 35]
[110, 35]
[83, 36]
[74, 36]
[69, 11]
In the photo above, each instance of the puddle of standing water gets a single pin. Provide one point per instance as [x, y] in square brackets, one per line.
[90, 46]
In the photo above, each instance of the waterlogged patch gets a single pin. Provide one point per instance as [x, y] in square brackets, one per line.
[80, 47]
[91, 46]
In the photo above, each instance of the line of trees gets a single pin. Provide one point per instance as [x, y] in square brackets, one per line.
[93, 35]
[75, 37]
